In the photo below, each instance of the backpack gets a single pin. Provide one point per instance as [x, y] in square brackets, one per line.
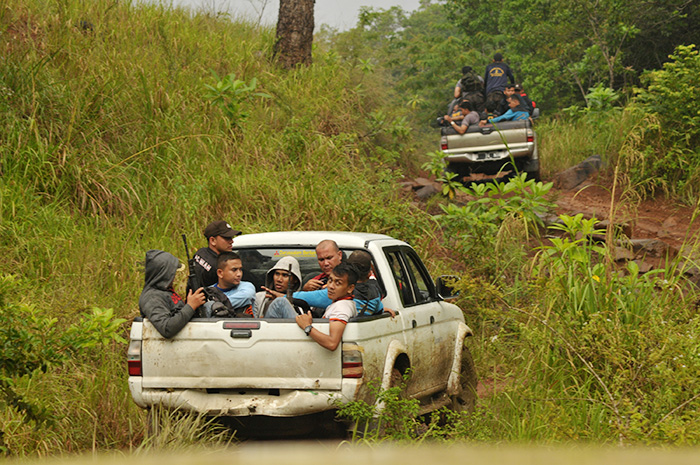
[217, 305]
[470, 82]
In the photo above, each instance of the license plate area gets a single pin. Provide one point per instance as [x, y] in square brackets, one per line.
[496, 155]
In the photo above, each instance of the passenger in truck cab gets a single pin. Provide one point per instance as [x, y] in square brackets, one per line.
[283, 275]
[329, 256]
[516, 112]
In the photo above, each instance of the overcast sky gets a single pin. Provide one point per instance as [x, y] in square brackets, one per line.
[341, 14]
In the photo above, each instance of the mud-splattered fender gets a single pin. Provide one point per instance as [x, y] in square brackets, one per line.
[393, 351]
[453, 385]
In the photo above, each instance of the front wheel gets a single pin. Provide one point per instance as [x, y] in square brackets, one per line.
[465, 400]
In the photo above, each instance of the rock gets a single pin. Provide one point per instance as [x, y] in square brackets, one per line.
[623, 228]
[653, 247]
[422, 182]
[622, 253]
[425, 192]
[572, 177]
[644, 267]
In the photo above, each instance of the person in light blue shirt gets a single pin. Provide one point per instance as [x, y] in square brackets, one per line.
[229, 269]
[516, 112]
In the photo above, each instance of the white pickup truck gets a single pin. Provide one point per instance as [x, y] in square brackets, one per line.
[255, 368]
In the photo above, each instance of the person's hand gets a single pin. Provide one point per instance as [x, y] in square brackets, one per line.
[271, 293]
[390, 312]
[304, 320]
[313, 284]
[482, 123]
[448, 118]
[196, 299]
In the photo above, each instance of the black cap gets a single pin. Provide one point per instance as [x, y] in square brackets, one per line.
[518, 87]
[220, 228]
[498, 57]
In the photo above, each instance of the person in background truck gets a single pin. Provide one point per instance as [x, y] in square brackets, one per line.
[229, 270]
[497, 76]
[529, 104]
[516, 112]
[341, 285]
[329, 256]
[278, 281]
[219, 236]
[159, 302]
[469, 117]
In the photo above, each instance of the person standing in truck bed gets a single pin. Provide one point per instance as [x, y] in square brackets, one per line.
[219, 236]
[496, 77]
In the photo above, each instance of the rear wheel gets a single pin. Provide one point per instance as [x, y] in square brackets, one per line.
[465, 400]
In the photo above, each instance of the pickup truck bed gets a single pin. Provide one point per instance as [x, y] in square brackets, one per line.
[493, 149]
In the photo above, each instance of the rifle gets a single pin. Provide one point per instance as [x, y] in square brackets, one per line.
[192, 281]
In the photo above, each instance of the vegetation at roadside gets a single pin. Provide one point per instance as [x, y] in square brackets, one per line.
[124, 126]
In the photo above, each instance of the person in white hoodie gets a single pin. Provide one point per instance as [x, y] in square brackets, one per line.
[278, 281]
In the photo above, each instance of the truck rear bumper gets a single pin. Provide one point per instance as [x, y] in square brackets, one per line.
[244, 402]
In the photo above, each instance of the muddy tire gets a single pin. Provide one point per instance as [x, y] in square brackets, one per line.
[465, 400]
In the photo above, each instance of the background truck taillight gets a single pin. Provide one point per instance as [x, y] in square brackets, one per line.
[133, 358]
[443, 143]
[352, 361]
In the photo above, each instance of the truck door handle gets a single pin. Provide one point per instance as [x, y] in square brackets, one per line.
[432, 319]
[241, 333]
[413, 323]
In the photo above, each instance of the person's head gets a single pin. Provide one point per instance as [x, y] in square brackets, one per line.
[229, 269]
[220, 236]
[280, 279]
[341, 282]
[498, 57]
[513, 102]
[466, 106]
[362, 260]
[329, 255]
[509, 90]
[466, 69]
[518, 87]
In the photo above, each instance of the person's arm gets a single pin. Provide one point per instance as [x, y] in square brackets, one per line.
[458, 91]
[318, 298]
[461, 128]
[168, 324]
[509, 73]
[313, 284]
[327, 341]
[504, 117]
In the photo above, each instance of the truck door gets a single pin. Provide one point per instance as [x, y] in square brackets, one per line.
[429, 330]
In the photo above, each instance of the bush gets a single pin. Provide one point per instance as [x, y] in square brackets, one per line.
[661, 153]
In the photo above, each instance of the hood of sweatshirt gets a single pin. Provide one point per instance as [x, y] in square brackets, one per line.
[283, 264]
[160, 269]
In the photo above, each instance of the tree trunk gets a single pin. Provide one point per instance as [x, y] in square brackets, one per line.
[295, 32]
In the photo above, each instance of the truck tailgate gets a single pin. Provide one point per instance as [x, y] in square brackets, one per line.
[209, 354]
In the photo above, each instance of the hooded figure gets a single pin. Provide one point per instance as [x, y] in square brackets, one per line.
[159, 302]
[263, 298]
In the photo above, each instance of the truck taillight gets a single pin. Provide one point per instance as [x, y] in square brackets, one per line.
[443, 143]
[530, 138]
[352, 362]
[133, 358]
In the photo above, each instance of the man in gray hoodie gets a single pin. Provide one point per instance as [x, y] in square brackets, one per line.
[159, 302]
[277, 281]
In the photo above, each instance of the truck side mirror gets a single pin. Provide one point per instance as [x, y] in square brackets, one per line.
[444, 285]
